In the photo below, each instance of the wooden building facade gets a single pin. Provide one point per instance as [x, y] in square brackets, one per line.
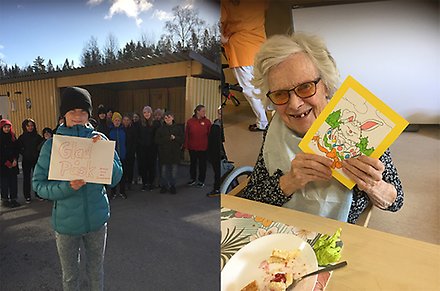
[176, 82]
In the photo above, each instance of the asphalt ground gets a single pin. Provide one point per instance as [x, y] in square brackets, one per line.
[155, 242]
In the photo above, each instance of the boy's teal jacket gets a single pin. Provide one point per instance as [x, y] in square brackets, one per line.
[74, 212]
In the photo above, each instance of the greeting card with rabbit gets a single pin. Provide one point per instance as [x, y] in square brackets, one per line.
[355, 122]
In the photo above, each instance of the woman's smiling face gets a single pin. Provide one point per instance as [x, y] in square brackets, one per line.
[147, 114]
[297, 114]
[6, 128]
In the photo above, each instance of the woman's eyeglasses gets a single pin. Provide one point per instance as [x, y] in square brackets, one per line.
[304, 90]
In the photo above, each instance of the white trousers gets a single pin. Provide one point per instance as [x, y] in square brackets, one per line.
[244, 76]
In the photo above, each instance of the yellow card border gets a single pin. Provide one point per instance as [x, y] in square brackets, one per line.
[350, 82]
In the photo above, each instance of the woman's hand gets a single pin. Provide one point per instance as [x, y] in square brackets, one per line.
[96, 138]
[14, 163]
[366, 172]
[76, 184]
[305, 168]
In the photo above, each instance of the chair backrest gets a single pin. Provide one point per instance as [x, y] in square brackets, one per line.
[365, 216]
[237, 190]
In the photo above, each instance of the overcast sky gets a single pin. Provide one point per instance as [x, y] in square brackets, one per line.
[59, 29]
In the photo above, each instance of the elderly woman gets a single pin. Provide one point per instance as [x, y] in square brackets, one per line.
[300, 77]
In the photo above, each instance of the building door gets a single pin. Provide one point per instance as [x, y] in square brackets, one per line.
[4, 105]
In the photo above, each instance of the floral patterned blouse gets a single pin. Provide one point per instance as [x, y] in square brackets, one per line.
[266, 188]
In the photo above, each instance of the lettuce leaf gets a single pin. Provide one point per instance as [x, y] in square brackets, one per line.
[326, 249]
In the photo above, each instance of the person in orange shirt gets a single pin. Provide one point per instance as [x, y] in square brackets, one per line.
[242, 33]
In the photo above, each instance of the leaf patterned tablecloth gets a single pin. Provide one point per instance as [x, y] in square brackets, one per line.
[238, 229]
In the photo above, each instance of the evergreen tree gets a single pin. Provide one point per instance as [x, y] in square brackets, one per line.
[29, 70]
[91, 55]
[210, 43]
[164, 45]
[129, 51]
[50, 66]
[14, 71]
[39, 66]
[66, 65]
[2, 71]
[194, 45]
[140, 50]
[147, 43]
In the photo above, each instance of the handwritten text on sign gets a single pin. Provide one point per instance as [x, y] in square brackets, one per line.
[76, 158]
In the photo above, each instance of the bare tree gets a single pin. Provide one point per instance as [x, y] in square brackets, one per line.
[110, 49]
[185, 23]
[147, 40]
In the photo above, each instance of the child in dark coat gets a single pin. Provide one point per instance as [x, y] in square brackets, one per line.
[131, 134]
[117, 133]
[147, 148]
[216, 152]
[169, 139]
[102, 121]
[8, 164]
[28, 144]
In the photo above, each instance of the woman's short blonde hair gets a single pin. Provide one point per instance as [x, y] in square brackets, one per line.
[279, 47]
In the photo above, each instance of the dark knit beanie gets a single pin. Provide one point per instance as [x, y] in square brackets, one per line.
[75, 98]
[47, 130]
[101, 109]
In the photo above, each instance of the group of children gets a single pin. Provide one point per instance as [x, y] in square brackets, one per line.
[81, 210]
[28, 145]
[153, 141]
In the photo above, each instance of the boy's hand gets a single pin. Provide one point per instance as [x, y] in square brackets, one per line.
[76, 184]
[14, 163]
[96, 138]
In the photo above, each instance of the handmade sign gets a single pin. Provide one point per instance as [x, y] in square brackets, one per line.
[354, 123]
[76, 158]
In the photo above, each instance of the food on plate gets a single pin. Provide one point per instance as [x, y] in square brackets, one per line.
[280, 270]
[252, 286]
[327, 250]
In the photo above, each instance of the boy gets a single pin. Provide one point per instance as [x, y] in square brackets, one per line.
[80, 210]
[117, 133]
[169, 139]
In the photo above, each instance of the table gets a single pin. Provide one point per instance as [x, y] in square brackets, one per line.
[377, 260]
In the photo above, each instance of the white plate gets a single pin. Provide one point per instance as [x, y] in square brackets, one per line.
[243, 267]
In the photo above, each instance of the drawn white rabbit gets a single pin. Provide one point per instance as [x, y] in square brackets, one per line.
[342, 142]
